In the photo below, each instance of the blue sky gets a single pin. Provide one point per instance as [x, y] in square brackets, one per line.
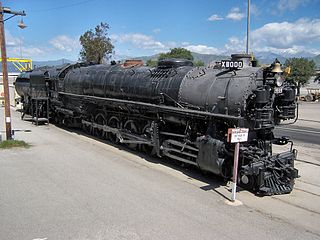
[144, 27]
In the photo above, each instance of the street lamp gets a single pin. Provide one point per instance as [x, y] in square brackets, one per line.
[6, 10]
[21, 24]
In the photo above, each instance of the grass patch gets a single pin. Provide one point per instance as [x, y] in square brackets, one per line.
[13, 143]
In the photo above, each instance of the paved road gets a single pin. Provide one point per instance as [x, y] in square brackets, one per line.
[68, 186]
[299, 133]
[307, 128]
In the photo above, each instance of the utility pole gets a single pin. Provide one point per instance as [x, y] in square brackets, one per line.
[4, 67]
[248, 29]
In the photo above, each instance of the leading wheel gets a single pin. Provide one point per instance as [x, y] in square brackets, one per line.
[113, 122]
[101, 120]
[131, 127]
[146, 131]
[88, 127]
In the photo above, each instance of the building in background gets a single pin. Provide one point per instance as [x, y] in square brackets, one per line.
[13, 95]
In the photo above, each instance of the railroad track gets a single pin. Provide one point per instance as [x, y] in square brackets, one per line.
[308, 162]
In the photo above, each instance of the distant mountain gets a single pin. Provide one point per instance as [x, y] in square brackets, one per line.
[316, 59]
[13, 69]
[51, 62]
[263, 58]
[206, 58]
[268, 57]
[144, 58]
[302, 54]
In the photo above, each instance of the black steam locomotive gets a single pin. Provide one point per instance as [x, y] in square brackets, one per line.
[176, 111]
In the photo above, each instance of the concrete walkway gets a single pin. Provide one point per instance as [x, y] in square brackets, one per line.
[70, 186]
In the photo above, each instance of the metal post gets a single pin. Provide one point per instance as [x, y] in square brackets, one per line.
[4, 66]
[235, 171]
[248, 29]
[5, 77]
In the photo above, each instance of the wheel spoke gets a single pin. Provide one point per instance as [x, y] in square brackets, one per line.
[147, 134]
[114, 123]
[101, 120]
[88, 128]
[132, 128]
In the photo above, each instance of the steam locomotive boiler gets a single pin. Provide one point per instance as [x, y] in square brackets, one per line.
[177, 111]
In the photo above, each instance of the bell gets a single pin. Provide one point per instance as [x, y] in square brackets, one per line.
[276, 68]
[287, 70]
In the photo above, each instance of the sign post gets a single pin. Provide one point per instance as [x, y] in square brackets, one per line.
[7, 113]
[236, 135]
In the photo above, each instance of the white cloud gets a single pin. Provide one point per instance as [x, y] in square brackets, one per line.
[215, 17]
[156, 30]
[60, 46]
[145, 42]
[65, 43]
[170, 44]
[234, 45]
[139, 40]
[203, 49]
[12, 41]
[291, 4]
[285, 34]
[235, 14]
[33, 51]
[286, 38]
[26, 52]
[254, 10]
[16, 47]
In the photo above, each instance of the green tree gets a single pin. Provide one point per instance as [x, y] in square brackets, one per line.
[96, 45]
[198, 63]
[152, 63]
[301, 71]
[317, 79]
[177, 53]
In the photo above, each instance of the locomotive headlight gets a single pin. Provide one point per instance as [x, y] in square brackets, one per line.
[279, 80]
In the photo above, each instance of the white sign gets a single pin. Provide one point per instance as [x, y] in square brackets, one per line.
[238, 135]
[278, 90]
[231, 64]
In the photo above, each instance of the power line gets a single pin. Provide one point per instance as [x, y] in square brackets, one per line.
[62, 6]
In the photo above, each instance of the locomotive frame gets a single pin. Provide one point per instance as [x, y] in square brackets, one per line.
[177, 111]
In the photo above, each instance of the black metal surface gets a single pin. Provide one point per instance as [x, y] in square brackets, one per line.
[208, 158]
[22, 84]
[142, 84]
[176, 110]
